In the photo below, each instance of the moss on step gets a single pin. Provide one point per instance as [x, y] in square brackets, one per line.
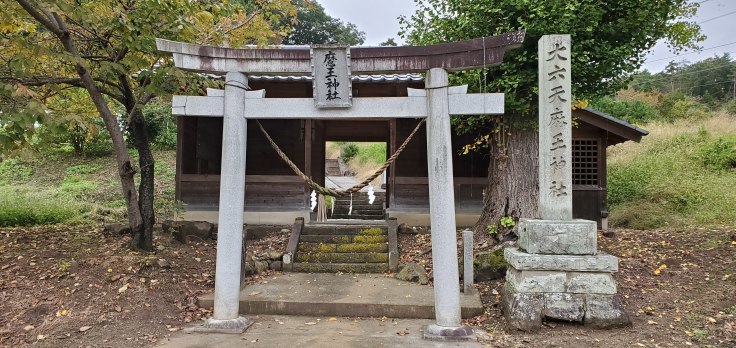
[316, 248]
[343, 257]
[341, 267]
[375, 231]
[370, 239]
[362, 248]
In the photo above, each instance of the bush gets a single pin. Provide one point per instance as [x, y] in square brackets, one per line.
[21, 206]
[375, 153]
[628, 182]
[348, 152]
[632, 111]
[720, 153]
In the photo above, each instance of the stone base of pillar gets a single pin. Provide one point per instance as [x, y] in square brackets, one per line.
[575, 288]
[526, 311]
[435, 332]
[227, 326]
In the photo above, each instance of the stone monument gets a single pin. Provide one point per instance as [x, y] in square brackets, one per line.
[557, 271]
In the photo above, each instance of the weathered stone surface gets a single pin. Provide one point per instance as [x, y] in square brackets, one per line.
[489, 265]
[413, 272]
[522, 311]
[248, 268]
[260, 266]
[226, 326]
[438, 333]
[275, 265]
[573, 237]
[163, 263]
[580, 263]
[198, 230]
[570, 307]
[116, 229]
[590, 283]
[536, 281]
[605, 312]
[531, 281]
[275, 255]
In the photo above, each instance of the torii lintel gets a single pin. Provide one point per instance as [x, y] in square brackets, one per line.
[295, 60]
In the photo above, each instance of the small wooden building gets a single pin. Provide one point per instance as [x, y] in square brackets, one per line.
[275, 195]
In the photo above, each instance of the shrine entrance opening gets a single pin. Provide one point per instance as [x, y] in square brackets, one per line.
[353, 151]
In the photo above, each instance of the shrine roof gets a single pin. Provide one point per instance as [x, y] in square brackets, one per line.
[355, 78]
[620, 128]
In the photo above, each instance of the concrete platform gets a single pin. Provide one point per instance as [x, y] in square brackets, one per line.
[343, 295]
[319, 332]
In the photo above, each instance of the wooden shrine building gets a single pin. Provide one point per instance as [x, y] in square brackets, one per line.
[275, 195]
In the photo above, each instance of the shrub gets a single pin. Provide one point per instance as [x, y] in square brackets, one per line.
[720, 153]
[628, 182]
[348, 152]
[375, 153]
[633, 111]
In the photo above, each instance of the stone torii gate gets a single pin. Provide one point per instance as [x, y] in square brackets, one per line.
[437, 102]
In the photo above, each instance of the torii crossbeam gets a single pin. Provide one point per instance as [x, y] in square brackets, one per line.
[436, 102]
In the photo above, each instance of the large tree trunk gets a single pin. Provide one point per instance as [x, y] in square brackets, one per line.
[143, 236]
[512, 182]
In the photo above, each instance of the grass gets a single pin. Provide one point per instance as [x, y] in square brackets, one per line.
[59, 187]
[682, 174]
[368, 158]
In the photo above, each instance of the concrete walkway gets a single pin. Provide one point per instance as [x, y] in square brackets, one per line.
[306, 331]
[352, 295]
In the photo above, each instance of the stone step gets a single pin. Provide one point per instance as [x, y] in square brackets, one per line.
[376, 202]
[342, 257]
[342, 247]
[362, 212]
[340, 267]
[343, 295]
[342, 239]
[349, 230]
[356, 217]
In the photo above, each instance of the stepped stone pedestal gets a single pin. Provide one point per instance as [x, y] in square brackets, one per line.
[571, 281]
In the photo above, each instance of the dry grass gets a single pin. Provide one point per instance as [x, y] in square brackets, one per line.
[720, 124]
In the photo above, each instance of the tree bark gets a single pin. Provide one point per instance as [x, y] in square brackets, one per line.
[54, 23]
[512, 182]
[143, 236]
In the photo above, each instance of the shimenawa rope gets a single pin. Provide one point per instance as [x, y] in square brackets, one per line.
[326, 190]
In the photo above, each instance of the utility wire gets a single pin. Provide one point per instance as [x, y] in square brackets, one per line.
[684, 73]
[717, 17]
[698, 51]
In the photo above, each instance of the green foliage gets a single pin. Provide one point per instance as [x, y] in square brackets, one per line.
[77, 186]
[25, 206]
[372, 153]
[81, 169]
[675, 181]
[348, 152]
[710, 80]
[630, 111]
[160, 125]
[605, 48]
[507, 222]
[315, 26]
[13, 170]
[719, 153]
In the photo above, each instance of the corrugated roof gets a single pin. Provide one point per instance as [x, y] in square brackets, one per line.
[355, 78]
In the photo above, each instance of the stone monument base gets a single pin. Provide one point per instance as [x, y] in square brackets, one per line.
[575, 288]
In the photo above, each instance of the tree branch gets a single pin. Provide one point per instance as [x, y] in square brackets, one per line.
[44, 19]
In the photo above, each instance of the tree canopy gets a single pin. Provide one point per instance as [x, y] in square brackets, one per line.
[610, 38]
[314, 26]
[106, 49]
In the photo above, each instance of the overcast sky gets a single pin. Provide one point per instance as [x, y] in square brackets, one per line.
[378, 19]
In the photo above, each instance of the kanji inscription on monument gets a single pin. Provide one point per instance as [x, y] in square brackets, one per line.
[332, 85]
[555, 133]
